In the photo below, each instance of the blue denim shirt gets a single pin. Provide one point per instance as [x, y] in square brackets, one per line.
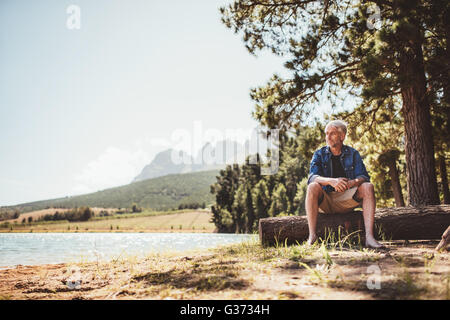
[350, 159]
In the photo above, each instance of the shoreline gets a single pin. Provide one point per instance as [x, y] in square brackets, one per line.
[82, 250]
[242, 271]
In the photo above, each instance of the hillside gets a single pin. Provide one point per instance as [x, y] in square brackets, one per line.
[160, 193]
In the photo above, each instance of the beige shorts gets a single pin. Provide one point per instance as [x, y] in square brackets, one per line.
[339, 202]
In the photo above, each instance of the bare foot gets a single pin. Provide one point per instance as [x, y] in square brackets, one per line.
[312, 239]
[372, 243]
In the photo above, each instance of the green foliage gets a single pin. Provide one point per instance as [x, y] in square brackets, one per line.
[279, 201]
[261, 200]
[239, 209]
[135, 208]
[192, 205]
[300, 197]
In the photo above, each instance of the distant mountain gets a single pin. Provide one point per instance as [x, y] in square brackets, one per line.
[159, 193]
[163, 165]
[208, 158]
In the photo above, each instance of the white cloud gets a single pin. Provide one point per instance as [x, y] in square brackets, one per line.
[114, 167]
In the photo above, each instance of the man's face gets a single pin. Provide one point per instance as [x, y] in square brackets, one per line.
[334, 137]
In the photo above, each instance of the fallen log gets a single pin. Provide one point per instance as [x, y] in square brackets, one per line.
[404, 223]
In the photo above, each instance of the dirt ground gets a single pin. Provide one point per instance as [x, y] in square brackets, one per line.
[245, 271]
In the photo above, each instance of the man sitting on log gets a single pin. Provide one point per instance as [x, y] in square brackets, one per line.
[338, 182]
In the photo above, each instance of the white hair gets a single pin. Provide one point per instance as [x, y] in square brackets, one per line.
[337, 124]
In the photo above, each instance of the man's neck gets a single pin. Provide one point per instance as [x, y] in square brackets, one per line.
[336, 151]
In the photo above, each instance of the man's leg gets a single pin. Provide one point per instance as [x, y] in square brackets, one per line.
[367, 194]
[314, 195]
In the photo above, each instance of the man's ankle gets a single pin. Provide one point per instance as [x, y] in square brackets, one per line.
[312, 238]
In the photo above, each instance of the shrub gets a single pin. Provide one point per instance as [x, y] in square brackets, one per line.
[192, 205]
[135, 208]
[104, 213]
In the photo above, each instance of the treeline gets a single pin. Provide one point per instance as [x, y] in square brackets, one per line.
[243, 195]
[6, 214]
[192, 205]
[73, 215]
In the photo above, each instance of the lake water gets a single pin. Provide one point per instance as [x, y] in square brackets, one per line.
[47, 248]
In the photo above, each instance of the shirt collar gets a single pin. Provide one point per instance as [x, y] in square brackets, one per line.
[343, 150]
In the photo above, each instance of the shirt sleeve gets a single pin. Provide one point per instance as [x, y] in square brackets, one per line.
[315, 167]
[360, 168]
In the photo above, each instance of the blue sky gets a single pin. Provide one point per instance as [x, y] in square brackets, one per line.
[84, 110]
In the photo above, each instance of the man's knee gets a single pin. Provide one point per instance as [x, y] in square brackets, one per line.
[314, 189]
[366, 188]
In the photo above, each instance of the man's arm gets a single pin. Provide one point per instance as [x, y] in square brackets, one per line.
[315, 167]
[356, 182]
[316, 172]
[360, 168]
[339, 184]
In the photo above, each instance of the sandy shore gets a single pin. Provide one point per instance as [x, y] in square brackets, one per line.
[244, 271]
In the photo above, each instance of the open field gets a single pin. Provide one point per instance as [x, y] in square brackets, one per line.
[176, 221]
[245, 271]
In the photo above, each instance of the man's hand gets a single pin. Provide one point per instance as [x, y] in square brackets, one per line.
[339, 184]
[351, 183]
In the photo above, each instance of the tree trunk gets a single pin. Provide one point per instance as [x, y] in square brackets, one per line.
[419, 149]
[444, 179]
[407, 223]
[396, 187]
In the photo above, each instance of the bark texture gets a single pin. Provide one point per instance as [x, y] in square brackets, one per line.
[419, 148]
[444, 179]
[396, 187]
[406, 223]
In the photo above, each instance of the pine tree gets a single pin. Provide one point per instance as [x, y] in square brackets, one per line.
[250, 211]
[261, 202]
[331, 49]
[280, 202]
[239, 209]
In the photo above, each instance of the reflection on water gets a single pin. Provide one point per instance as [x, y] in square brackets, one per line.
[44, 248]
